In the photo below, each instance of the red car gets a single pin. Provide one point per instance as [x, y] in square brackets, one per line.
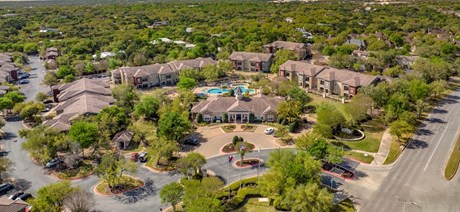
[134, 156]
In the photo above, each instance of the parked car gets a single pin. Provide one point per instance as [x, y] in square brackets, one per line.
[24, 76]
[5, 188]
[143, 157]
[269, 131]
[48, 101]
[52, 163]
[191, 141]
[24, 81]
[134, 156]
[25, 196]
[15, 195]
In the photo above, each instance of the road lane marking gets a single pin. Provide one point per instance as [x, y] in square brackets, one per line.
[437, 145]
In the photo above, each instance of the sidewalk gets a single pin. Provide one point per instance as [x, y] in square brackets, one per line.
[384, 148]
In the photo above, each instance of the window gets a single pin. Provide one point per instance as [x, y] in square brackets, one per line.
[168, 76]
[144, 79]
[321, 82]
[307, 78]
[345, 88]
[253, 64]
[270, 118]
[239, 63]
[288, 74]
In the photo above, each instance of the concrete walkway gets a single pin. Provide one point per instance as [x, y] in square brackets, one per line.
[384, 149]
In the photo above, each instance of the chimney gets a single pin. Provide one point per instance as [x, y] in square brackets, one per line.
[313, 71]
[332, 75]
[357, 81]
[293, 67]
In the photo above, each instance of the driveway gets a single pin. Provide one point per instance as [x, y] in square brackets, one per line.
[214, 138]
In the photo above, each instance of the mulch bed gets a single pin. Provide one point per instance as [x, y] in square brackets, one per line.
[248, 162]
[231, 148]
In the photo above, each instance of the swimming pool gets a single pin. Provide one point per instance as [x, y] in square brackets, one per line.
[220, 91]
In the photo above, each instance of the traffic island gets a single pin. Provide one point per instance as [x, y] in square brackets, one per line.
[248, 162]
[125, 183]
[230, 147]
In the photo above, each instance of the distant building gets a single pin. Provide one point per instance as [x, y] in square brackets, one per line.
[361, 44]
[104, 55]
[48, 30]
[8, 69]
[122, 140]
[289, 20]
[325, 80]
[159, 24]
[238, 108]
[157, 74]
[251, 61]
[301, 49]
[189, 30]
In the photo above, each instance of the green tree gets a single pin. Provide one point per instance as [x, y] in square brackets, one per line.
[394, 71]
[30, 48]
[281, 56]
[289, 110]
[69, 78]
[358, 108]
[84, 133]
[211, 73]
[51, 197]
[297, 94]
[29, 110]
[112, 168]
[125, 95]
[420, 107]
[15, 96]
[162, 148]
[50, 79]
[198, 197]
[148, 107]
[437, 87]
[112, 120]
[172, 194]
[432, 69]
[80, 201]
[6, 166]
[328, 115]
[309, 197]
[43, 143]
[40, 97]
[399, 128]
[186, 83]
[89, 68]
[196, 160]
[418, 90]
[173, 126]
[144, 131]
[63, 71]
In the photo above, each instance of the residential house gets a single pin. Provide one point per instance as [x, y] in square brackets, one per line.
[8, 205]
[157, 74]
[326, 80]
[238, 108]
[81, 97]
[103, 55]
[289, 19]
[301, 49]
[51, 53]
[158, 24]
[406, 62]
[251, 61]
[361, 44]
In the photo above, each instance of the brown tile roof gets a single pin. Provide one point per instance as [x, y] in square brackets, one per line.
[7, 205]
[286, 45]
[351, 78]
[85, 103]
[251, 56]
[85, 85]
[302, 67]
[123, 135]
[193, 64]
[256, 104]
[51, 54]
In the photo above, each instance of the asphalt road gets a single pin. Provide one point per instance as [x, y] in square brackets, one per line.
[416, 182]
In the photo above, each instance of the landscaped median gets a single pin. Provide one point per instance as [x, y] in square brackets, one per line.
[454, 160]
[124, 183]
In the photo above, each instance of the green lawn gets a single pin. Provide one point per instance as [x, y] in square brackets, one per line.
[316, 100]
[394, 152]
[359, 156]
[253, 205]
[373, 131]
[454, 160]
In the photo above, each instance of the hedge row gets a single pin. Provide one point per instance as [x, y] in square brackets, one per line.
[237, 201]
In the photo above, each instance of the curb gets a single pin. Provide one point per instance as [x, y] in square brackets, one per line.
[154, 170]
[450, 155]
[233, 152]
[261, 162]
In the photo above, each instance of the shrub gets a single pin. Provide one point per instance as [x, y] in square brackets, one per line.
[294, 126]
[199, 118]
[241, 139]
[225, 117]
[235, 140]
[251, 117]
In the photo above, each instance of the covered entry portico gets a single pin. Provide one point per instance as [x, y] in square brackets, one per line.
[242, 116]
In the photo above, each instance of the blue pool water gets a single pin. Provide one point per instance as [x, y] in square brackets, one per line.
[220, 91]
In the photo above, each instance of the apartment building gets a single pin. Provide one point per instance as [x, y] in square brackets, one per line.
[302, 50]
[251, 61]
